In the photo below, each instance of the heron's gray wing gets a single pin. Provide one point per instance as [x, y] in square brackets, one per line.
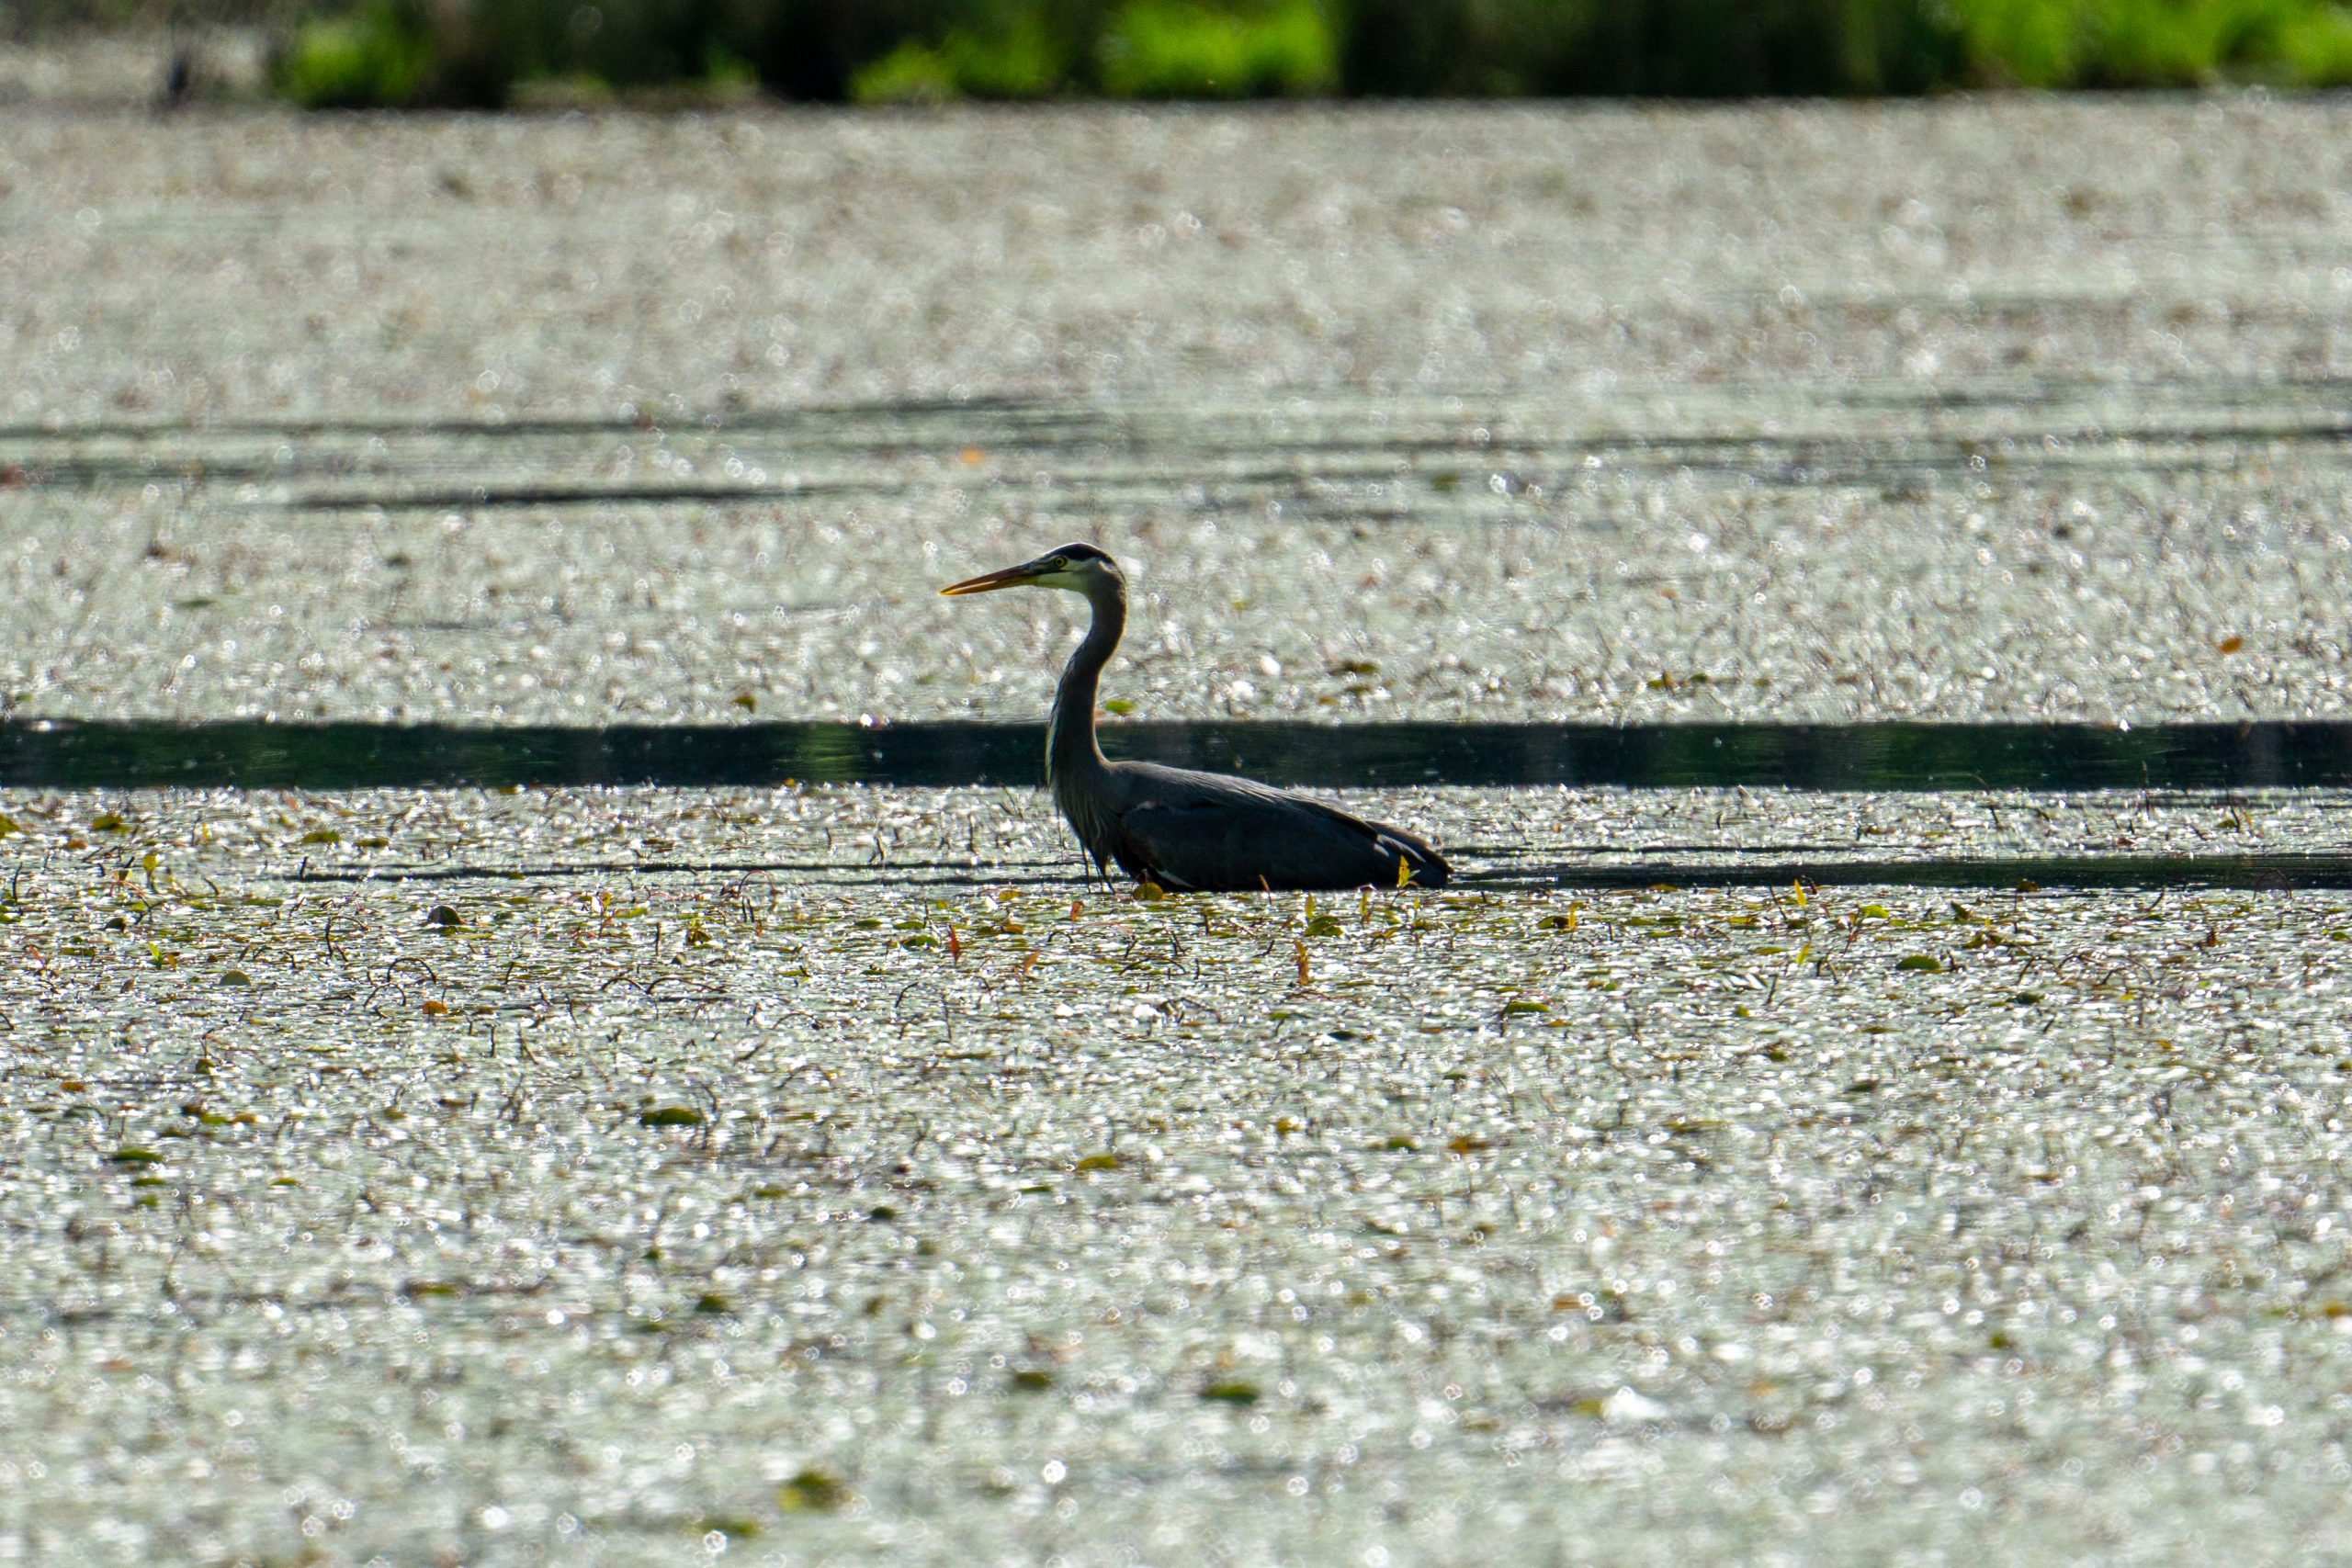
[1211, 834]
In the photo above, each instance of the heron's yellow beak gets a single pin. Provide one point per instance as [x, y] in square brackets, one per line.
[1011, 577]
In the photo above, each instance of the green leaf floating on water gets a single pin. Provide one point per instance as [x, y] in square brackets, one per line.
[1922, 963]
[671, 1116]
[812, 1491]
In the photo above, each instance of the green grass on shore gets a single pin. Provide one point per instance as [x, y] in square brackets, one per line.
[416, 52]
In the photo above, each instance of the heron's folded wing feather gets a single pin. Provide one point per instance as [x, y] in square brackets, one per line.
[1244, 840]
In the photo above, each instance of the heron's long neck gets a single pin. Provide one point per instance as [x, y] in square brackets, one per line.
[1070, 751]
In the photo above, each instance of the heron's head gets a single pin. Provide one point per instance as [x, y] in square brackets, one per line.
[1081, 569]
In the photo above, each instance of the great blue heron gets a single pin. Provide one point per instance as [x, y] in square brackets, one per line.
[1182, 830]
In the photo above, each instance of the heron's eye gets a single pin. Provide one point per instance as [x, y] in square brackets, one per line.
[1060, 563]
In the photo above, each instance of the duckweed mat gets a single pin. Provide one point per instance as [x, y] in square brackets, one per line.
[727, 1188]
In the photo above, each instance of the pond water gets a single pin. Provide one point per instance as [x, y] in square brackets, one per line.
[2143, 553]
[627, 1173]
[599, 1056]
[278, 755]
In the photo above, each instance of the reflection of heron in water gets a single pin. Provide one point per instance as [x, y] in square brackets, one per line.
[1182, 830]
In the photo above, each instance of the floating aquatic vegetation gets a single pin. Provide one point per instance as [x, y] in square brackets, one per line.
[1507, 1184]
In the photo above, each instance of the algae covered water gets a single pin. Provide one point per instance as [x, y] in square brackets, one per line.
[595, 1060]
[861, 1183]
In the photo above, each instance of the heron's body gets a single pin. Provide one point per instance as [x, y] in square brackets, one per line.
[1181, 828]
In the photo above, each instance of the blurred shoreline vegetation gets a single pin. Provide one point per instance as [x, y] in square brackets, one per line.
[492, 54]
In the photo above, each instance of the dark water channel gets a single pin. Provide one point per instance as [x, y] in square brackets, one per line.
[252, 754]
[1894, 758]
